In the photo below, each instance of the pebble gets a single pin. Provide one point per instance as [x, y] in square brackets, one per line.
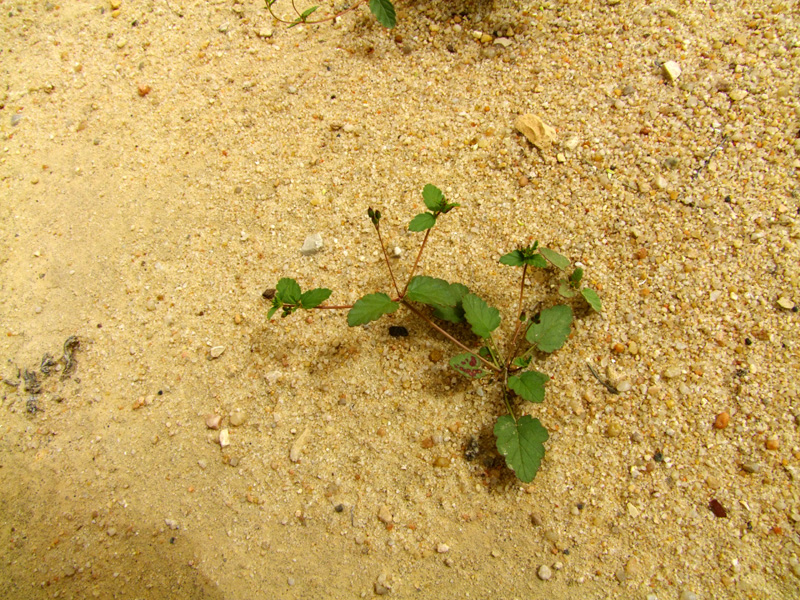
[783, 301]
[122, 43]
[687, 595]
[672, 372]
[213, 421]
[537, 131]
[772, 443]
[722, 420]
[15, 119]
[751, 467]
[312, 245]
[572, 143]
[544, 573]
[297, 447]
[171, 523]
[503, 41]
[216, 351]
[265, 32]
[613, 429]
[224, 438]
[384, 514]
[442, 548]
[237, 417]
[671, 70]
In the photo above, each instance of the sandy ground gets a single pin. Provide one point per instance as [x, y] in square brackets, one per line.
[162, 164]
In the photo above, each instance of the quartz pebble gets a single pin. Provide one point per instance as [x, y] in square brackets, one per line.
[384, 514]
[297, 447]
[671, 70]
[311, 245]
[213, 421]
[544, 573]
[442, 548]
[237, 417]
[537, 131]
[216, 351]
[224, 438]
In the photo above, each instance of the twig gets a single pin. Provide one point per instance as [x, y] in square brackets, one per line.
[604, 383]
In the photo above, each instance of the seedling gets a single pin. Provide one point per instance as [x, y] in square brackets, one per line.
[520, 438]
[382, 9]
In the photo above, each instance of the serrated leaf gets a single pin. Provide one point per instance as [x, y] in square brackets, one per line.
[313, 298]
[549, 332]
[522, 443]
[468, 364]
[514, 258]
[592, 298]
[565, 289]
[369, 308]
[288, 291]
[529, 385]
[560, 261]
[454, 314]
[384, 12]
[483, 318]
[521, 362]
[430, 290]
[422, 222]
[433, 198]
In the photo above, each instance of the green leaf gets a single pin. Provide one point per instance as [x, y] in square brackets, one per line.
[592, 298]
[369, 308]
[313, 298]
[288, 291]
[468, 364]
[565, 289]
[521, 362]
[430, 290]
[433, 198]
[305, 14]
[514, 258]
[537, 260]
[529, 385]
[575, 278]
[422, 222]
[551, 329]
[454, 314]
[522, 443]
[562, 262]
[384, 12]
[483, 318]
[272, 311]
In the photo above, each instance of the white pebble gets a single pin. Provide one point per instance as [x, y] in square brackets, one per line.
[544, 573]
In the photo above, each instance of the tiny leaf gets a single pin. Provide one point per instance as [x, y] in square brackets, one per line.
[369, 308]
[562, 262]
[384, 12]
[537, 260]
[433, 198]
[288, 291]
[430, 290]
[592, 298]
[468, 364]
[483, 318]
[514, 258]
[565, 289]
[576, 276]
[272, 311]
[302, 18]
[549, 332]
[422, 222]
[522, 443]
[521, 362]
[313, 298]
[529, 385]
[454, 314]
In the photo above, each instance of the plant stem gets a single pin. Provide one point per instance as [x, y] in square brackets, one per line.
[451, 338]
[330, 18]
[505, 397]
[386, 259]
[513, 346]
[416, 263]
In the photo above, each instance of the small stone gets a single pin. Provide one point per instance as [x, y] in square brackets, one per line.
[111, 532]
[671, 70]
[613, 429]
[496, 553]
[171, 523]
[265, 32]
[121, 43]
[737, 95]
[297, 447]
[538, 133]
[441, 462]
[435, 355]
[503, 41]
[224, 438]
[572, 143]
[633, 511]
[772, 443]
[672, 372]
[544, 573]
[660, 182]
[202, 463]
[311, 245]
[624, 386]
[223, 27]
[713, 482]
[384, 514]
[751, 467]
[115, 4]
[143, 90]
[442, 548]
[561, 158]
[722, 420]
[785, 303]
[687, 595]
[633, 567]
[216, 351]
[717, 508]
[292, 89]
[213, 421]
[237, 418]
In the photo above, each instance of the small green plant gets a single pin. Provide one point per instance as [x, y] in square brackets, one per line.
[520, 439]
[382, 9]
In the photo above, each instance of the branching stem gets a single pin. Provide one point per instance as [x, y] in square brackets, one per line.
[388, 264]
[416, 263]
[298, 13]
[425, 318]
